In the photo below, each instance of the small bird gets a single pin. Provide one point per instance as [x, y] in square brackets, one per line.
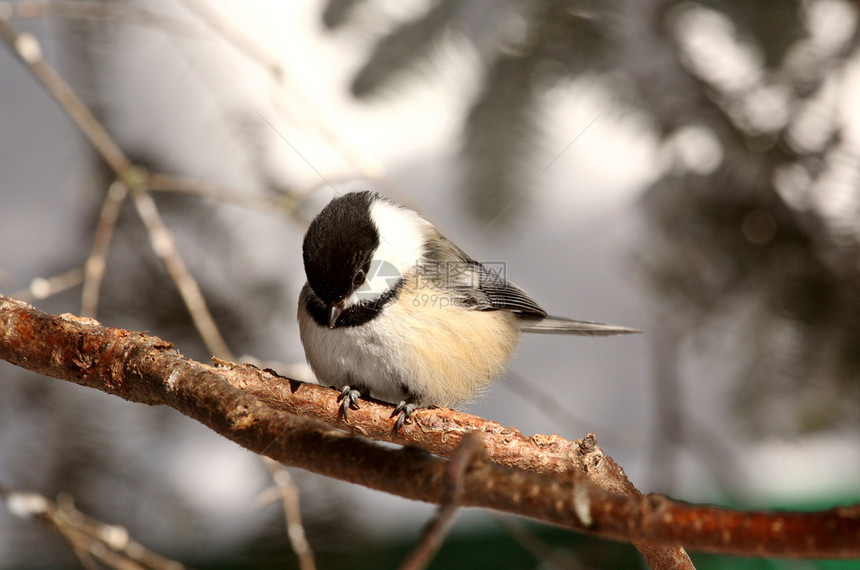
[394, 310]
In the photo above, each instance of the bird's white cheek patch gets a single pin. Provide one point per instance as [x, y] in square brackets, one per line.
[402, 238]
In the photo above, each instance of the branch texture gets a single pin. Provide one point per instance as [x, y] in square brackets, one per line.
[149, 370]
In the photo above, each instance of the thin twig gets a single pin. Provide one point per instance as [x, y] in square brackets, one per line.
[165, 248]
[289, 202]
[28, 50]
[242, 41]
[289, 495]
[546, 553]
[547, 404]
[721, 462]
[714, 456]
[92, 541]
[42, 288]
[299, 106]
[94, 269]
[83, 10]
[434, 534]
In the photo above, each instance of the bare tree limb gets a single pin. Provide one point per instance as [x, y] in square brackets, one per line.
[148, 370]
[441, 431]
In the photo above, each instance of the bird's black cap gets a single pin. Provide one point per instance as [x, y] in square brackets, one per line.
[340, 241]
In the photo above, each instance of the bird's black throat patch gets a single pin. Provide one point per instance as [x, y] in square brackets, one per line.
[356, 315]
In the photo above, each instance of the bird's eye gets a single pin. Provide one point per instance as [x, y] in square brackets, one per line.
[359, 277]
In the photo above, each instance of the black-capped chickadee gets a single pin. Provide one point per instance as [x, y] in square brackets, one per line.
[394, 310]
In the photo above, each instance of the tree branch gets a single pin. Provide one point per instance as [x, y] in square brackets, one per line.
[441, 432]
[149, 370]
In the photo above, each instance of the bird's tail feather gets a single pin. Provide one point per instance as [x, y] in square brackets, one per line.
[560, 325]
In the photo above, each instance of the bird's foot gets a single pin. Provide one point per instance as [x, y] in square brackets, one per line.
[403, 412]
[348, 400]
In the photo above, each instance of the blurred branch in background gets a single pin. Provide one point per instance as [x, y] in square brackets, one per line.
[93, 542]
[716, 457]
[469, 452]
[670, 431]
[133, 180]
[42, 288]
[130, 179]
[83, 10]
[288, 202]
[285, 490]
[94, 269]
[552, 557]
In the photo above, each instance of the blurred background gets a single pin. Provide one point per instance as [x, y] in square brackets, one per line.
[688, 168]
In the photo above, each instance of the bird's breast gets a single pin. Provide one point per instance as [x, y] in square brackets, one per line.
[438, 350]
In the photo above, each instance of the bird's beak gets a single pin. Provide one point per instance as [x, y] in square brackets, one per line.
[334, 313]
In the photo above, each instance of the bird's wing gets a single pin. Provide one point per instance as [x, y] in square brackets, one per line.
[475, 285]
[484, 288]
[503, 294]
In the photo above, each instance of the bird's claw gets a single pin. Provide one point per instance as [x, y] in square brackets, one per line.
[403, 411]
[348, 400]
